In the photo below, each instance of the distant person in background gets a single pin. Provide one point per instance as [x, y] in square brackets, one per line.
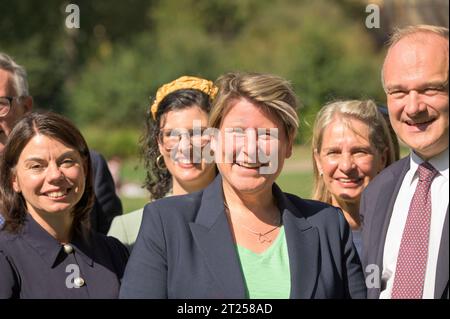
[405, 209]
[16, 102]
[169, 133]
[351, 145]
[241, 236]
[115, 165]
[47, 249]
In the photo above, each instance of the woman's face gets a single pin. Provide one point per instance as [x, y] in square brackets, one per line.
[347, 159]
[249, 158]
[181, 157]
[50, 175]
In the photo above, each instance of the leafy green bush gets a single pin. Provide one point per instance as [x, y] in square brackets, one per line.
[121, 142]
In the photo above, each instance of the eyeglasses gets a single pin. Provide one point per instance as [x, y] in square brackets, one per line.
[5, 104]
[170, 138]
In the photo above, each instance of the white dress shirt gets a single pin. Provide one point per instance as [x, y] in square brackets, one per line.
[439, 207]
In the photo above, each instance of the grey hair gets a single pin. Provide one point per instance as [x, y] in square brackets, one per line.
[401, 33]
[19, 75]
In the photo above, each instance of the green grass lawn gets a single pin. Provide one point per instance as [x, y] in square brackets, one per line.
[130, 204]
[297, 183]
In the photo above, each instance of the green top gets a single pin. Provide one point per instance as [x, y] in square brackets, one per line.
[267, 275]
[126, 227]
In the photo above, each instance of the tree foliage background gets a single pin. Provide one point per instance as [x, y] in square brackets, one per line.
[104, 74]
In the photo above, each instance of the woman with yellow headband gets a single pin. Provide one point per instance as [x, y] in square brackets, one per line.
[171, 145]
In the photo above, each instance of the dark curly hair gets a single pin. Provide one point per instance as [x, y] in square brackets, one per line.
[159, 181]
[12, 204]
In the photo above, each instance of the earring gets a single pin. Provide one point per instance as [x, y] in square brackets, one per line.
[320, 174]
[158, 163]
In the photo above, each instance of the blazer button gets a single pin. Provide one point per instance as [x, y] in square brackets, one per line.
[79, 282]
[68, 249]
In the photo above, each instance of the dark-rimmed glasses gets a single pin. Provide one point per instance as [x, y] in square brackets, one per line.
[5, 104]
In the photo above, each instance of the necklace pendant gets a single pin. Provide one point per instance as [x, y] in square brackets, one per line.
[262, 238]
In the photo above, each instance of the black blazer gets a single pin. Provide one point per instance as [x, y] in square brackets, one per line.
[107, 204]
[185, 249]
[377, 204]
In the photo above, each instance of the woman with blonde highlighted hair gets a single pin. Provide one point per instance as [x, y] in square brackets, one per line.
[351, 145]
[242, 236]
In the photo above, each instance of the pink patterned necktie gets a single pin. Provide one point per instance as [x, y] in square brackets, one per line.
[413, 254]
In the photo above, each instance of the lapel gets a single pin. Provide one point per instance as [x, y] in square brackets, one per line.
[211, 233]
[442, 276]
[303, 247]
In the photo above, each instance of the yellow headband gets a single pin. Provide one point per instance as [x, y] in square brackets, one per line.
[184, 82]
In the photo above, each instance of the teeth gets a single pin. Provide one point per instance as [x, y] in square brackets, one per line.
[347, 180]
[417, 123]
[249, 165]
[184, 161]
[56, 194]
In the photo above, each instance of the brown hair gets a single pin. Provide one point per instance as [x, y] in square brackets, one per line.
[12, 204]
[158, 180]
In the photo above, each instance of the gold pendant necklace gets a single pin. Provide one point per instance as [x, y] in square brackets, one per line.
[262, 237]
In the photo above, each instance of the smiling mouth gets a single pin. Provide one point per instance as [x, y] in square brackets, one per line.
[251, 165]
[349, 180]
[58, 194]
[418, 123]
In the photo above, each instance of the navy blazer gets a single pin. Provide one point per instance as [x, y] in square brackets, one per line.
[107, 204]
[33, 264]
[377, 204]
[185, 249]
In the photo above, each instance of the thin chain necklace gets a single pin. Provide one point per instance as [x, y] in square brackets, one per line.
[262, 237]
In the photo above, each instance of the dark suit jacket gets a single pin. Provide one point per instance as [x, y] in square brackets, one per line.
[185, 249]
[107, 204]
[377, 203]
[34, 265]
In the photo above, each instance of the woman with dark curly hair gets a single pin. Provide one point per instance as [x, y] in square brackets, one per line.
[172, 147]
[46, 245]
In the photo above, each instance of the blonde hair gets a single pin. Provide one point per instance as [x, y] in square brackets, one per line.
[273, 93]
[401, 33]
[365, 111]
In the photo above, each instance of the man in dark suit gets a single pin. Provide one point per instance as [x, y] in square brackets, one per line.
[405, 208]
[15, 101]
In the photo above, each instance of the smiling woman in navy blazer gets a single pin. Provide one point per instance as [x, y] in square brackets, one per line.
[242, 237]
[47, 249]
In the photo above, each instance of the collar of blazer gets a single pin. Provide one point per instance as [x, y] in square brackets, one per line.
[212, 234]
[49, 248]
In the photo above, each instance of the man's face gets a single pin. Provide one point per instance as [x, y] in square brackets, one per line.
[416, 82]
[18, 107]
